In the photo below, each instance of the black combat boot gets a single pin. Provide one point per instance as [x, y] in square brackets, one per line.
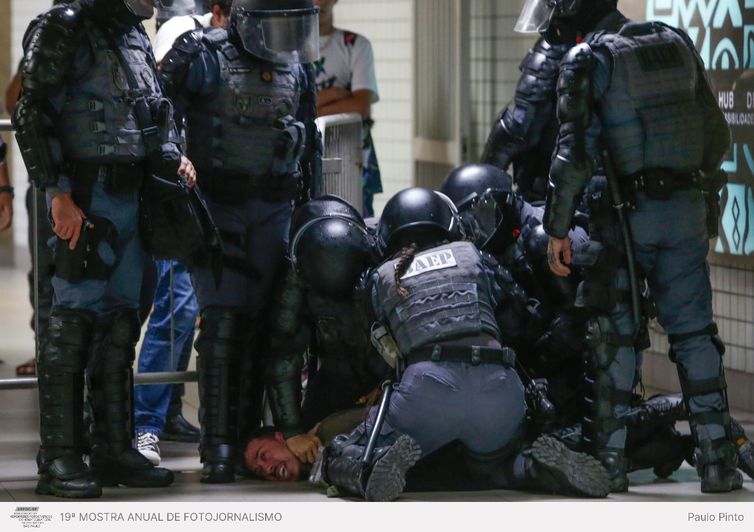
[554, 468]
[60, 371]
[114, 460]
[222, 341]
[716, 463]
[178, 428]
[745, 448]
[653, 442]
[382, 480]
[663, 450]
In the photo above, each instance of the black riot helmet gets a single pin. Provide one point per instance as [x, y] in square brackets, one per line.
[416, 215]
[537, 16]
[126, 13]
[330, 247]
[279, 31]
[322, 207]
[484, 197]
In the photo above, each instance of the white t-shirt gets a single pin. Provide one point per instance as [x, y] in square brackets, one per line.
[346, 62]
[174, 28]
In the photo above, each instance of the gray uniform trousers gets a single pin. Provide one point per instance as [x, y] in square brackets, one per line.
[439, 402]
[671, 246]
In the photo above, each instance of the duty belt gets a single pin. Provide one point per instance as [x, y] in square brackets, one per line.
[660, 183]
[116, 178]
[471, 354]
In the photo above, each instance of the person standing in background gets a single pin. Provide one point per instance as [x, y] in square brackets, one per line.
[347, 83]
[170, 30]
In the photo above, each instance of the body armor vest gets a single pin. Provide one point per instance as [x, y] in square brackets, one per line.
[650, 112]
[97, 121]
[449, 296]
[247, 126]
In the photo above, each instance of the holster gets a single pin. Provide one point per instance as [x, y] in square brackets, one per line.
[85, 261]
[711, 186]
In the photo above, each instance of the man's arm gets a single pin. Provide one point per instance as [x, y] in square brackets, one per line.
[50, 46]
[575, 154]
[189, 68]
[356, 102]
[518, 128]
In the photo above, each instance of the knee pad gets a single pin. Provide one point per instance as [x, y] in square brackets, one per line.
[710, 330]
[69, 336]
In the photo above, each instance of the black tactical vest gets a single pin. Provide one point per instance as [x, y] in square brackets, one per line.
[449, 296]
[248, 125]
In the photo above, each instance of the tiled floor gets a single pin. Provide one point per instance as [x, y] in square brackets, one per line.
[19, 440]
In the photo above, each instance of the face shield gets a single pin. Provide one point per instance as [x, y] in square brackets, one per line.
[488, 212]
[278, 36]
[535, 16]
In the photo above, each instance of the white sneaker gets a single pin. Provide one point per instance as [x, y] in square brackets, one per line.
[146, 444]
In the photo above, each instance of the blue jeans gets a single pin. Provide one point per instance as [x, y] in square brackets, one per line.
[151, 402]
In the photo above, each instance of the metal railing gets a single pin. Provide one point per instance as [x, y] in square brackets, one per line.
[342, 165]
[164, 377]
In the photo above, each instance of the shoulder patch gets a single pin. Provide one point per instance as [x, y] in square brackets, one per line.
[349, 38]
[438, 259]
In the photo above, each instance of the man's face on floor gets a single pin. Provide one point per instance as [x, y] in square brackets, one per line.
[269, 458]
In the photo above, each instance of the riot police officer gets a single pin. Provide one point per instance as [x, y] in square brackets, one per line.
[90, 121]
[548, 330]
[434, 298]
[250, 108]
[524, 132]
[315, 309]
[544, 326]
[634, 99]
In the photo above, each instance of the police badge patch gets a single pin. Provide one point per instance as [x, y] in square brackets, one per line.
[429, 262]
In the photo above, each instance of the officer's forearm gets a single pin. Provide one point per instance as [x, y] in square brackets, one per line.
[33, 141]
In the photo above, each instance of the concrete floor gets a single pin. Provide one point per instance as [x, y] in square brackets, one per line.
[19, 441]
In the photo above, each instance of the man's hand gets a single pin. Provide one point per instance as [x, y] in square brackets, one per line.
[6, 211]
[305, 446]
[67, 219]
[558, 255]
[187, 171]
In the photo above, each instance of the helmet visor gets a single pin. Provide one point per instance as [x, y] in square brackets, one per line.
[282, 37]
[535, 16]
